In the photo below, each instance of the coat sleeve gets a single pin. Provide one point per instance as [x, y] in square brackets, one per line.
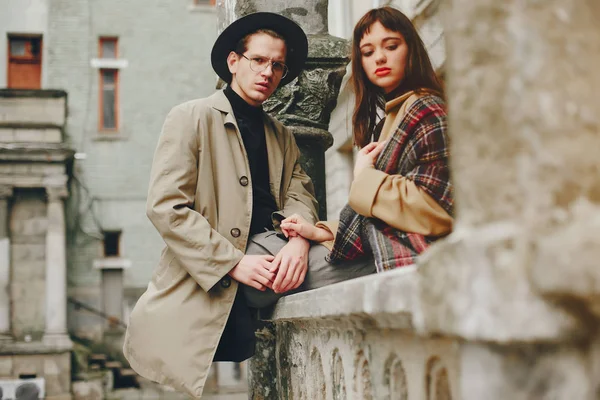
[399, 202]
[300, 194]
[200, 250]
[331, 227]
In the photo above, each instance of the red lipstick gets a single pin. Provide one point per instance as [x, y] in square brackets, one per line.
[382, 71]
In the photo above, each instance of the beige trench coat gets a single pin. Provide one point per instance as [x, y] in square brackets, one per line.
[200, 201]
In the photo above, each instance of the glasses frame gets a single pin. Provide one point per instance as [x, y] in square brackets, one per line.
[271, 62]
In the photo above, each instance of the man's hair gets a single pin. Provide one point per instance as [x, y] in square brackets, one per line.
[242, 44]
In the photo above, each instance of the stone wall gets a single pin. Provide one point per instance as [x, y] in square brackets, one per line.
[354, 340]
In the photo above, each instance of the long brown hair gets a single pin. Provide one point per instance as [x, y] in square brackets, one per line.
[419, 73]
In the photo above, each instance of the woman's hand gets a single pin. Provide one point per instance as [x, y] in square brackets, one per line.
[366, 157]
[295, 225]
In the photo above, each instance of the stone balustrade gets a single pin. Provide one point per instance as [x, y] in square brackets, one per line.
[353, 340]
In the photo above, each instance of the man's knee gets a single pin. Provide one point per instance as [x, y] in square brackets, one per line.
[259, 299]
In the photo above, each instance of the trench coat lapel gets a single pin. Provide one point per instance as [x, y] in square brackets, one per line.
[221, 103]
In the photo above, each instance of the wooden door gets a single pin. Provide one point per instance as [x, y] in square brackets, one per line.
[24, 62]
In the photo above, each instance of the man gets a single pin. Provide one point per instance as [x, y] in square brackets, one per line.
[224, 175]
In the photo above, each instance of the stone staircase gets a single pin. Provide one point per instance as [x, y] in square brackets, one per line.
[120, 376]
[99, 375]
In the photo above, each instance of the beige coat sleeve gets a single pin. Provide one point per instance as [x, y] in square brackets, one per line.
[202, 251]
[399, 202]
[300, 194]
[332, 227]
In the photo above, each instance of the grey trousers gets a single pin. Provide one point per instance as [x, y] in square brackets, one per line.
[320, 273]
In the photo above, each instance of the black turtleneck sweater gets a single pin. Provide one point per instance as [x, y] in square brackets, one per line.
[251, 124]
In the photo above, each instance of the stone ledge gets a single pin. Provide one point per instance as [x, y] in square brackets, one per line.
[34, 93]
[22, 348]
[112, 263]
[379, 300]
[46, 152]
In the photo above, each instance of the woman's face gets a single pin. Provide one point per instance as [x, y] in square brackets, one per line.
[383, 57]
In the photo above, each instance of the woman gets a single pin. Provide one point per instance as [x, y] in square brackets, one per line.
[401, 196]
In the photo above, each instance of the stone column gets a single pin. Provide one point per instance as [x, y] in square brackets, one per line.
[305, 105]
[56, 270]
[263, 375]
[5, 332]
[518, 280]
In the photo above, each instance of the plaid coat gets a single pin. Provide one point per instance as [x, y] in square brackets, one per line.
[417, 150]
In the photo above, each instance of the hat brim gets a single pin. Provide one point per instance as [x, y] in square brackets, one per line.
[295, 38]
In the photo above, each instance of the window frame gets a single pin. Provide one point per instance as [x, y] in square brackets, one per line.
[101, 71]
[28, 58]
[28, 46]
[101, 126]
[104, 39]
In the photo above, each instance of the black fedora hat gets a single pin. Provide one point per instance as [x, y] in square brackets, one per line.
[295, 38]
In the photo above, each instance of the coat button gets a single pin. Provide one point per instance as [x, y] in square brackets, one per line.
[235, 232]
[226, 282]
[244, 181]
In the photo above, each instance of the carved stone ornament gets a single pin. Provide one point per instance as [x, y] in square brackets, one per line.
[395, 379]
[309, 100]
[337, 377]
[437, 382]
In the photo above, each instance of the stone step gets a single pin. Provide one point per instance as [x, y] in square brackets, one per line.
[97, 359]
[127, 372]
[125, 378]
[113, 365]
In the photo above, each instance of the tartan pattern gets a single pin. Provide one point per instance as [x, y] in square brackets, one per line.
[418, 150]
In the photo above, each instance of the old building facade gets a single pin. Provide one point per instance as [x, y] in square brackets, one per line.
[122, 75]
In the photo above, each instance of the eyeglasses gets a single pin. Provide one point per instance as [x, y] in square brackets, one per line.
[259, 64]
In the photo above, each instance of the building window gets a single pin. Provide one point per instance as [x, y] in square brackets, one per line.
[111, 243]
[109, 86]
[24, 62]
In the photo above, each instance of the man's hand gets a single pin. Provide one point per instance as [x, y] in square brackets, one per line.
[254, 271]
[366, 157]
[291, 264]
[295, 225]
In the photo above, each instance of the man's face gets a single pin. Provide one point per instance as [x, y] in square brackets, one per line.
[252, 86]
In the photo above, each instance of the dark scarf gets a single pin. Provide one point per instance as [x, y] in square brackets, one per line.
[418, 150]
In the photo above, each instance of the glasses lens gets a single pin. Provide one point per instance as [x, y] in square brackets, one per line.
[258, 64]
